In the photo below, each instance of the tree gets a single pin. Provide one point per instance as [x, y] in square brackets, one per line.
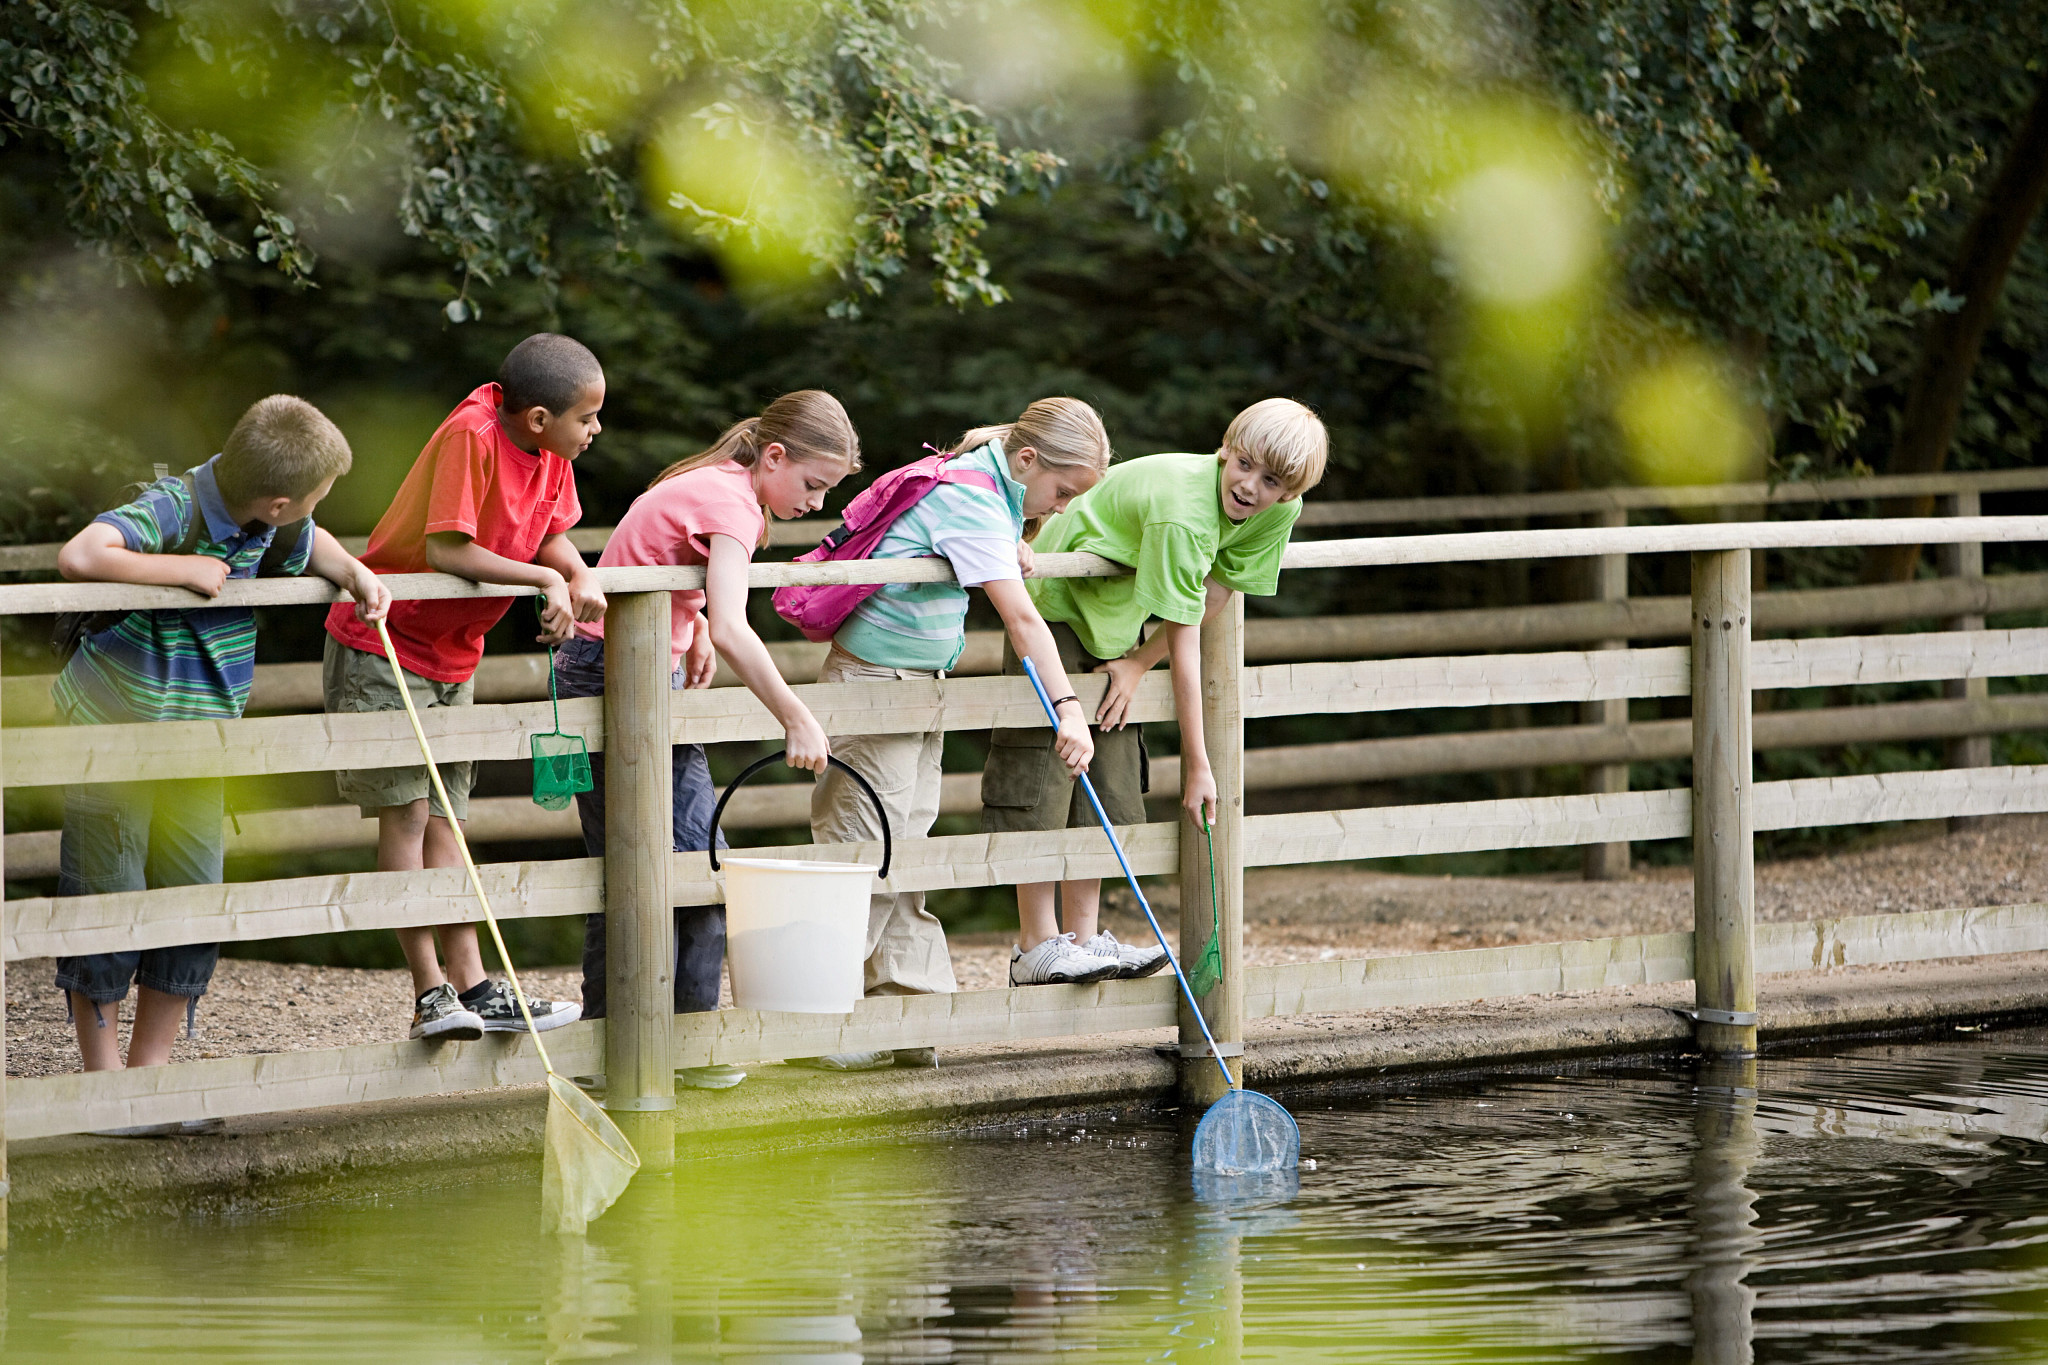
[1952, 339]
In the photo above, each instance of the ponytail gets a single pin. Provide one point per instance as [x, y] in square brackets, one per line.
[809, 424]
[1066, 433]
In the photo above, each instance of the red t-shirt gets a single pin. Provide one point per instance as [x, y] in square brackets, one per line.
[472, 479]
[672, 523]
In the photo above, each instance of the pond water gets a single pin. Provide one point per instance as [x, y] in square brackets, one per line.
[1874, 1203]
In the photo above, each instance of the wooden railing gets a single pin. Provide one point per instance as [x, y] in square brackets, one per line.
[1603, 745]
[640, 1044]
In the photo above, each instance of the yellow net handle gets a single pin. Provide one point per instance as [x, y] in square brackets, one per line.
[476, 882]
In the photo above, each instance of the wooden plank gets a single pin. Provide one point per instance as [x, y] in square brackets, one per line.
[962, 1019]
[1875, 797]
[1578, 502]
[1491, 630]
[46, 926]
[1202, 917]
[718, 715]
[810, 530]
[515, 818]
[1964, 560]
[1567, 543]
[1481, 680]
[1608, 582]
[1467, 974]
[282, 744]
[1910, 936]
[277, 1082]
[1862, 660]
[1464, 826]
[27, 598]
[1723, 804]
[1577, 542]
[640, 935]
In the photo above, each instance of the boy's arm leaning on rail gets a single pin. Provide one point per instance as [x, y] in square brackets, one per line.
[351, 575]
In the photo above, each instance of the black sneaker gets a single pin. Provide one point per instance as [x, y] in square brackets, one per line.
[499, 1010]
[440, 1015]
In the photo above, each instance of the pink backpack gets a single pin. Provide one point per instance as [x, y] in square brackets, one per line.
[819, 610]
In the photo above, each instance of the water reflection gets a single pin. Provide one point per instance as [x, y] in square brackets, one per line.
[1881, 1203]
[1726, 1241]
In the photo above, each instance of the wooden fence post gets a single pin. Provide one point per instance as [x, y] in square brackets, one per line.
[640, 949]
[1723, 814]
[1607, 862]
[1965, 561]
[1223, 727]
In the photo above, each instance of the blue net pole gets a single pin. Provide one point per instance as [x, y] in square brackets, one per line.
[1031, 672]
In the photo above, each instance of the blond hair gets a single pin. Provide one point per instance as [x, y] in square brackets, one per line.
[283, 447]
[809, 424]
[1066, 433]
[1284, 436]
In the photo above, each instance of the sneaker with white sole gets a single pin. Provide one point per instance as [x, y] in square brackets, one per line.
[719, 1076]
[845, 1061]
[1134, 960]
[440, 1016]
[499, 1009]
[1059, 961]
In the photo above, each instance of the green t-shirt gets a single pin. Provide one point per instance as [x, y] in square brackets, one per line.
[1163, 516]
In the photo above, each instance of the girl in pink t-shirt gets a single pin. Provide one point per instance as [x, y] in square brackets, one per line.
[712, 509]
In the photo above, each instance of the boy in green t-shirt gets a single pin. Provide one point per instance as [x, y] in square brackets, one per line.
[1194, 529]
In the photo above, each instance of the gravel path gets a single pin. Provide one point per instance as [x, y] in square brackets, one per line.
[1293, 915]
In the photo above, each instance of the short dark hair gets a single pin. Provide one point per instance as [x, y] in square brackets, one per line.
[547, 370]
[283, 447]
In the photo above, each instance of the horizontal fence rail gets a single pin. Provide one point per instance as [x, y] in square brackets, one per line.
[1447, 678]
[1424, 511]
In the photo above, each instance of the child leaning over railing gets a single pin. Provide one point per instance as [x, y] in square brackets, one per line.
[968, 506]
[245, 513]
[712, 509]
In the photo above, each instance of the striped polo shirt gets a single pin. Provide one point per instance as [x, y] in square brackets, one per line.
[923, 625]
[193, 663]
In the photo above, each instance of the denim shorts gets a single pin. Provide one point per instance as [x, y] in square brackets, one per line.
[136, 836]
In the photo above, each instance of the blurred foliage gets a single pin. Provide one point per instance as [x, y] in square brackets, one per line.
[1497, 243]
[1483, 237]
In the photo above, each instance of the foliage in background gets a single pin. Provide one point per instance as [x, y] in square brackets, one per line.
[1498, 243]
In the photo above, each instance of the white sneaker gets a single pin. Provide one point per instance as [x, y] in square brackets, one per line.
[1059, 961]
[1134, 960]
[718, 1076]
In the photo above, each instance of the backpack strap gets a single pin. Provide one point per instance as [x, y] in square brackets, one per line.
[195, 520]
[283, 546]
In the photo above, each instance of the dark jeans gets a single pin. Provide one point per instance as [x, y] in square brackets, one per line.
[134, 836]
[700, 929]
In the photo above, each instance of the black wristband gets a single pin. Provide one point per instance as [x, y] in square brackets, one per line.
[1062, 701]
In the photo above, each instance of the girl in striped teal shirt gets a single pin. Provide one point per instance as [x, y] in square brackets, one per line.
[1053, 453]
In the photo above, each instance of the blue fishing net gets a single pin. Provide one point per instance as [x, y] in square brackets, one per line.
[1246, 1133]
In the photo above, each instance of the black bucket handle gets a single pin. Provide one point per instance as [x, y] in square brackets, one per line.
[847, 768]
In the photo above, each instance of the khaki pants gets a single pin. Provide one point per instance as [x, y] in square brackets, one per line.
[906, 945]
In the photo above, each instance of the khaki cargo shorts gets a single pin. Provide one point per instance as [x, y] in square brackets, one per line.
[351, 680]
[1026, 787]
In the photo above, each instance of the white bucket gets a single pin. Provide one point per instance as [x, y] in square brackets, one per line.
[795, 933]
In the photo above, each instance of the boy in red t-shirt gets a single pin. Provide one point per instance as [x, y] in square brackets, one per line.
[490, 499]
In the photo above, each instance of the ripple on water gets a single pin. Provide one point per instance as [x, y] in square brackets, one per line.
[1865, 1204]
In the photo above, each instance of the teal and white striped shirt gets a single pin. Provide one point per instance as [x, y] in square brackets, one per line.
[923, 625]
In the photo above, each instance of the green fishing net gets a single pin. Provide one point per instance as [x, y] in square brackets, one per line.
[1207, 972]
[561, 762]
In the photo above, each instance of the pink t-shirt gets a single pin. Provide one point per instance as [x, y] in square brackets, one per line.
[672, 523]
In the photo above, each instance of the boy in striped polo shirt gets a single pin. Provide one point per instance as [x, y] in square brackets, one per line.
[246, 511]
